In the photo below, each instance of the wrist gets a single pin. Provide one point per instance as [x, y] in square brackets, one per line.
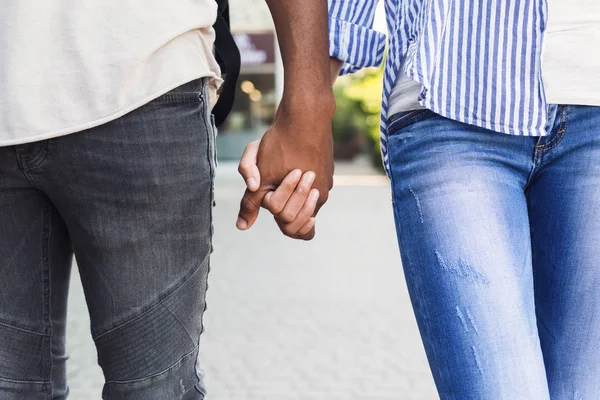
[310, 102]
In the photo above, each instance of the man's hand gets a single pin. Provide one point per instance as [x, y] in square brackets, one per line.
[300, 138]
[299, 141]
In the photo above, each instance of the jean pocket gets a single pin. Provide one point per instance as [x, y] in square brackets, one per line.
[401, 120]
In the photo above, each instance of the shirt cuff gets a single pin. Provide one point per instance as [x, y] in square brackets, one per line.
[357, 46]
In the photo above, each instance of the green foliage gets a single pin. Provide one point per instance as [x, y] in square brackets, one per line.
[348, 120]
[358, 106]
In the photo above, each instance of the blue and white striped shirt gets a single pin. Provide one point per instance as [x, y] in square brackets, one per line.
[478, 61]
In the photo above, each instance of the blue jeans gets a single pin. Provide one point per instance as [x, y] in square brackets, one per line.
[500, 243]
[132, 199]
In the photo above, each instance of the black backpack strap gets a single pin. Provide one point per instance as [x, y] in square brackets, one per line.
[228, 57]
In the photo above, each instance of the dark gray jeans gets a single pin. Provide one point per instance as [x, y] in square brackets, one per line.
[132, 199]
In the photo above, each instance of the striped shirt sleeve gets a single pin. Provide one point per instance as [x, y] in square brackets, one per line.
[351, 37]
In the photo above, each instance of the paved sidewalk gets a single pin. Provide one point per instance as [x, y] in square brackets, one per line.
[324, 320]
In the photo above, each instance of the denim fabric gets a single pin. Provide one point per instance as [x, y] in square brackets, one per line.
[132, 199]
[500, 242]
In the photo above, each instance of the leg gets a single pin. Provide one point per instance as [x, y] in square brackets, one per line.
[463, 230]
[136, 195]
[564, 206]
[35, 262]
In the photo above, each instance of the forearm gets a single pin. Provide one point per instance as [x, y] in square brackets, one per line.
[302, 32]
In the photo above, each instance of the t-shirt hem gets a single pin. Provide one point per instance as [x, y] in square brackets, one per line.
[108, 118]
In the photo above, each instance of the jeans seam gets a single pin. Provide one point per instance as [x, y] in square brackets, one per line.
[210, 137]
[557, 142]
[212, 161]
[409, 275]
[418, 305]
[541, 148]
[47, 313]
[562, 130]
[25, 382]
[165, 371]
[158, 304]
[179, 322]
[564, 119]
[16, 328]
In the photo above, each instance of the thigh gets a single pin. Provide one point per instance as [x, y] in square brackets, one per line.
[35, 261]
[564, 208]
[463, 231]
[136, 194]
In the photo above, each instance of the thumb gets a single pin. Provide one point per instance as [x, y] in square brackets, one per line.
[249, 208]
[248, 168]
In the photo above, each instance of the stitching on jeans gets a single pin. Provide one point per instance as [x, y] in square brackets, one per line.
[539, 149]
[417, 287]
[561, 132]
[158, 304]
[25, 382]
[167, 370]
[543, 145]
[408, 119]
[178, 321]
[557, 142]
[212, 161]
[47, 234]
[23, 329]
[404, 247]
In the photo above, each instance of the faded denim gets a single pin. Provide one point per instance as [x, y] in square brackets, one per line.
[132, 199]
[500, 242]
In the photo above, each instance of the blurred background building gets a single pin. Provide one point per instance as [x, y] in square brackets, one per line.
[259, 87]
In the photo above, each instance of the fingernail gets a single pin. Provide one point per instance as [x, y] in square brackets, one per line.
[251, 183]
[311, 222]
[314, 195]
[241, 223]
[310, 176]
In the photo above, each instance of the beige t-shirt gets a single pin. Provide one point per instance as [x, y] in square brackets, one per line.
[69, 65]
[570, 63]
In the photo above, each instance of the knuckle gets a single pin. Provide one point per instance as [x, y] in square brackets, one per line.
[286, 216]
[242, 168]
[302, 191]
[276, 207]
[248, 205]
